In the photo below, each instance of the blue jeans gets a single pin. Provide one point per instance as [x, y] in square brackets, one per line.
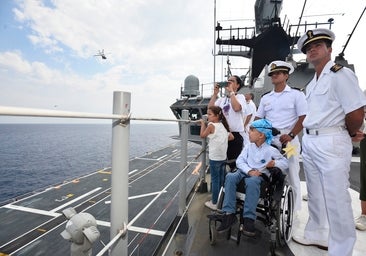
[217, 169]
[252, 193]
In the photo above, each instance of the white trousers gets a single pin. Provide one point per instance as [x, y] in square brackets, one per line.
[327, 160]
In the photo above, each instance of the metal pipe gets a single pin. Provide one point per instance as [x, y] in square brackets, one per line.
[203, 161]
[183, 162]
[33, 112]
[203, 157]
[120, 167]
[15, 111]
[214, 45]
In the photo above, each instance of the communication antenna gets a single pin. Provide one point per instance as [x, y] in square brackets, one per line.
[341, 55]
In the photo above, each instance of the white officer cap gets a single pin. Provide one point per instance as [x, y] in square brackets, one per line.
[280, 65]
[313, 35]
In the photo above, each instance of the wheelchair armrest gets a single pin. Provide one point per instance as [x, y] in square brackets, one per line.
[277, 177]
[275, 131]
[274, 170]
[265, 177]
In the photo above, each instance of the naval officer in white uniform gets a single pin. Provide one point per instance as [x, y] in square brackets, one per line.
[286, 108]
[335, 114]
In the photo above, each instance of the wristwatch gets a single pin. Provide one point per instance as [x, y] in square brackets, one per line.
[291, 134]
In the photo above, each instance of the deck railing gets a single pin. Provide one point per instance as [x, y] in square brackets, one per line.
[120, 162]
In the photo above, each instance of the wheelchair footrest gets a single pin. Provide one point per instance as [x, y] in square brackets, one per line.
[215, 216]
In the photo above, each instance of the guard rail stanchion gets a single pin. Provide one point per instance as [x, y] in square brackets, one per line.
[183, 228]
[120, 167]
[203, 184]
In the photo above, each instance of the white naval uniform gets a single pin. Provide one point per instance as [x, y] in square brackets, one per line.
[283, 110]
[327, 152]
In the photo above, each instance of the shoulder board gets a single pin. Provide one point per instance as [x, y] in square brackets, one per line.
[336, 67]
[265, 93]
[297, 88]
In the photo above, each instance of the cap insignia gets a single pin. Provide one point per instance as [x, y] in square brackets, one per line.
[310, 34]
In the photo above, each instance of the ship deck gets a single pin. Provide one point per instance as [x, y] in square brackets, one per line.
[196, 241]
[32, 225]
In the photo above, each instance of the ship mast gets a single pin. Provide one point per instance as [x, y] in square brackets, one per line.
[214, 43]
[341, 55]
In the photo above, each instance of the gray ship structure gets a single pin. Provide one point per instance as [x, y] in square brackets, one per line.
[164, 190]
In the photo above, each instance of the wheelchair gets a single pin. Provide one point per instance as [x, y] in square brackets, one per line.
[274, 210]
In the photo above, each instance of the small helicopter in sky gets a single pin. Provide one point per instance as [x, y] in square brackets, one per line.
[101, 54]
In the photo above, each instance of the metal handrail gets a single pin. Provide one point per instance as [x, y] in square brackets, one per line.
[123, 231]
[32, 112]
[16, 111]
[35, 112]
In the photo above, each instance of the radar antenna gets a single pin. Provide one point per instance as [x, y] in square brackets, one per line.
[341, 55]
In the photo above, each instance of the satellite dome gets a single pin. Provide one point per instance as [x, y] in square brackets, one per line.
[191, 86]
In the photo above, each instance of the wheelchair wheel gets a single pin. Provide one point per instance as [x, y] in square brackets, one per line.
[220, 199]
[272, 248]
[212, 232]
[240, 230]
[286, 216]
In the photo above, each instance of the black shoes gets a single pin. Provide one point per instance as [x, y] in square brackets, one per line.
[230, 219]
[248, 227]
[227, 221]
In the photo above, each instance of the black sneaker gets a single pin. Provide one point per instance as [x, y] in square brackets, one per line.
[227, 221]
[248, 227]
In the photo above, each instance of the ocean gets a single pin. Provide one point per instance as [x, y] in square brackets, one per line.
[35, 156]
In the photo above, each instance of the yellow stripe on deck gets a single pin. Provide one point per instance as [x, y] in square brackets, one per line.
[104, 172]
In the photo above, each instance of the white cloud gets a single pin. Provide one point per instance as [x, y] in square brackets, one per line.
[152, 44]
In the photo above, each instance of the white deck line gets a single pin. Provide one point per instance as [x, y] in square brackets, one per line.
[140, 196]
[133, 171]
[31, 210]
[147, 194]
[76, 199]
[53, 211]
[163, 156]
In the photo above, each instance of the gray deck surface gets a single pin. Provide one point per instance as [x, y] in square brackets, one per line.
[32, 226]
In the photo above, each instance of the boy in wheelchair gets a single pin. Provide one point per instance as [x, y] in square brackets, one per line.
[252, 163]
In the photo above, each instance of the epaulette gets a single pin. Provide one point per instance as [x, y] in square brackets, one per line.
[265, 93]
[336, 67]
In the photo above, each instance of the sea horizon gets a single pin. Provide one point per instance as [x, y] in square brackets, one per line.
[34, 156]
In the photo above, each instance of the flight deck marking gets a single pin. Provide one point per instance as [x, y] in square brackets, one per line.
[104, 172]
[161, 157]
[147, 194]
[31, 210]
[53, 211]
[76, 199]
[34, 234]
[140, 196]
[132, 172]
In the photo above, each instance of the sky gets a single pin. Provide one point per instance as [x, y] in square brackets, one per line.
[47, 50]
